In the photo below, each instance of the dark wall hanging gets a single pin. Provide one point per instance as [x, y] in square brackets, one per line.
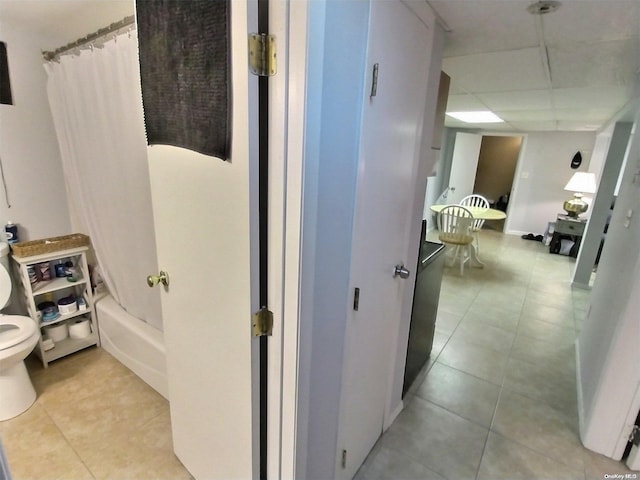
[184, 69]
[5, 84]
[576, 161]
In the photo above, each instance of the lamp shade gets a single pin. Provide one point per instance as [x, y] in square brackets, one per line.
[583, 182]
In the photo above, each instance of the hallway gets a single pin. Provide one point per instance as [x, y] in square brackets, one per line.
[498, 397]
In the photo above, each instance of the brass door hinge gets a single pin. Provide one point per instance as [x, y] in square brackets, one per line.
[262, 323]
[262, 54]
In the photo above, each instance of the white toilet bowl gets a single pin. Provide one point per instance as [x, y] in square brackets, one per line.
[18, 337]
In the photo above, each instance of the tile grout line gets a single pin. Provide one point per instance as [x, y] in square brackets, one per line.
[502, 388]
[66, 439]
[495, 409]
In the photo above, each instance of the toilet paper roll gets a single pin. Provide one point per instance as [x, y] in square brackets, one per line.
[57, 332]
[80, 329]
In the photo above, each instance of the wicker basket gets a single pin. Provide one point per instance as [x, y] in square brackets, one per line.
[49, 245]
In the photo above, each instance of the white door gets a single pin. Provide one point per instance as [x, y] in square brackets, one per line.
[205, 219]
[464, 165]
[389, 148]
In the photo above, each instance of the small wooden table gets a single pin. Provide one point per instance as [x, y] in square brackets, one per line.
[478, 213]
[571, 227]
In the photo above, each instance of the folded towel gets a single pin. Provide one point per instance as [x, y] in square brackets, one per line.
[184, 69]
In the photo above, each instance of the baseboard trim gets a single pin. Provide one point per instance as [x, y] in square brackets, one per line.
[581, 425]
[392, 417]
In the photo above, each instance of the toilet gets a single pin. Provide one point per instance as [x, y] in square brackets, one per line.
[18, 337]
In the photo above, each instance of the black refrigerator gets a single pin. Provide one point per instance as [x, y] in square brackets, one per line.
[425, 307]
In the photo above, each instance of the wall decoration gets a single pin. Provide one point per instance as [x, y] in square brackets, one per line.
[576, 161]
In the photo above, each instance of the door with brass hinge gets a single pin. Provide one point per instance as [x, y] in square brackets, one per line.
[208, 233]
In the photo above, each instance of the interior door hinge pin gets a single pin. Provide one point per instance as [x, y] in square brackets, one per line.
[262, 54]
[262, 323]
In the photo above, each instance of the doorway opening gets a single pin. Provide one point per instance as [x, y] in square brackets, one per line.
[497, 161]
[484, 165]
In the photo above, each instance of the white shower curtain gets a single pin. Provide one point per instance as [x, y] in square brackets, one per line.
[96, 105]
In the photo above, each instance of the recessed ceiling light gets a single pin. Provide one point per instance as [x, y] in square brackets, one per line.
[476, 117]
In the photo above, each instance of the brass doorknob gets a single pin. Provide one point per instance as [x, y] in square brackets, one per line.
[162, 277]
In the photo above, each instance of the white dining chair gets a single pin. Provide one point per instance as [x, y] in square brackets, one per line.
[455, 225]
[479, 201]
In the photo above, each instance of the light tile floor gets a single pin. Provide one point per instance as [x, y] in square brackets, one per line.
[93, 419]
[497, 399]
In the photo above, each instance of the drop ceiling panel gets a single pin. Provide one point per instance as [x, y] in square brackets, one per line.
[464, 103]
[580, 114]
[520, 100]
[577, 126]
[522, 115]
[497, 71]
[481, 26]
[592, 65]
[533, 126]
[592, 21]
[597, 97]
[495, 127]
[492, 54]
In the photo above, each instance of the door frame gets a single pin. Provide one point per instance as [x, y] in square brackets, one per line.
[295, 25]
[460, 152]
[516, 175]
[288, 21]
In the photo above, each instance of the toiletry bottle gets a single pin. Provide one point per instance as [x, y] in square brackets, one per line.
[11, 230]
[59, 269]
[70, 271]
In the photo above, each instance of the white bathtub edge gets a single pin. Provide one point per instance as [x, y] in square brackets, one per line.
[134, 343]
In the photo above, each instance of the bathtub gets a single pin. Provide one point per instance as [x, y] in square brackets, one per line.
[139, 346]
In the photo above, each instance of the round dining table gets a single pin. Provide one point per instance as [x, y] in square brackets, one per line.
[479, 213]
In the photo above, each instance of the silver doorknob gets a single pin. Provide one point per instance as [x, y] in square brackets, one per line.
[400, 271]
[162, 277]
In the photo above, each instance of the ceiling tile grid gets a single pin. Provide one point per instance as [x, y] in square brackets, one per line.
[518, 100]
[594, 64]
[572, 69]
[497, 71]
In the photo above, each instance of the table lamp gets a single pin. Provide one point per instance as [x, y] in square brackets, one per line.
[581, 182]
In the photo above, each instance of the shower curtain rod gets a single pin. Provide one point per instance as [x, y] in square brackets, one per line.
[126, 22]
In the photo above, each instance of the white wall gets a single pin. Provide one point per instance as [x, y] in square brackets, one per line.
[28, 145]
[600, 149]
[337, 39]
[543, 171]
[600, 208]
[439, 181]
[607, 348]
